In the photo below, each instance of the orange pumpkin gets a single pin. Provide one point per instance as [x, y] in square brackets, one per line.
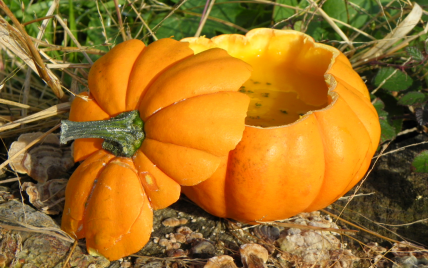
[310, 133]
[192, 115]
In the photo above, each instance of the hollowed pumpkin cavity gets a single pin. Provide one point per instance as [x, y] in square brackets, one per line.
[287, 79]
[281, 93]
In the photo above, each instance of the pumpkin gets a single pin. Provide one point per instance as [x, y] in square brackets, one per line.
[310, 133]
[152, 121]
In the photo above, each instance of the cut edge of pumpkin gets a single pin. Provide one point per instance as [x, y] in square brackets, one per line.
[329, 79]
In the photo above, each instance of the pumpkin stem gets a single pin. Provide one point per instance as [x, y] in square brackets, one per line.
[122, 135]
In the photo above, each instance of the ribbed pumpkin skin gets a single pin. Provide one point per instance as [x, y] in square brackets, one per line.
[191, 121]
[277, 172]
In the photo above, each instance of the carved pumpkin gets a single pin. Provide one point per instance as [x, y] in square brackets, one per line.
[310, 134]
[191, 121]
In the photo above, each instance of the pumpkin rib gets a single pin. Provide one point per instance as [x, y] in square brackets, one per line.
[132, 241]
[212, 191]
[79, 189]
[222, 113]
[189, 78]
[281, 156]
[119, 60]
[160, 189]
[366, 116]
[342, 68]
[336, 143]
[369, 152]
[275, 55]
[167, 53]
[115, 213]
[104, 219]
[143, 224]
[187, 166]
[358, 94]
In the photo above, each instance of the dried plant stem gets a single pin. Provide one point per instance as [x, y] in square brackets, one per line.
[20, 226]
[307, 227]
[366, 230]
[5, 163]
[400, 149]
[45, 22]
[143, 22]
[215, 19]
[300, 9]
[67, 65]
[41, 69]
[204, 18]
[332, 24]
[26, 92]
[31, 128]
[17, 104]
[51, 111]
[175, 8]
[37, 20]
[64, 25]
[10, 180]
[69, 254]
[119, 18]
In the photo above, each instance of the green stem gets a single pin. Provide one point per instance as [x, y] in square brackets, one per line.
[122, 135]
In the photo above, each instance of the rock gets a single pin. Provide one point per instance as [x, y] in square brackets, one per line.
[253, 256]
[222, 261]
[29, 238]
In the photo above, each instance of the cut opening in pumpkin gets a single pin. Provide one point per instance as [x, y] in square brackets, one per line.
[285, 84]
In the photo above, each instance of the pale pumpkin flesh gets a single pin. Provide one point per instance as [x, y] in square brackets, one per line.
[109, 199]
[310, 131]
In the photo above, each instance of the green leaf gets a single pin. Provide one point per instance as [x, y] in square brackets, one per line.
[388, 130]
[415, 53]
[426, 46]
[186, 23]
[317, 29]
[357, 18]
[379, 106]
[96, 32]
[336, 9]
[282, 13]
[420, 163]
[411, 98]
[392, 79]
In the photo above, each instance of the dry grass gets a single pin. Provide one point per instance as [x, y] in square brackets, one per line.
[35, 87]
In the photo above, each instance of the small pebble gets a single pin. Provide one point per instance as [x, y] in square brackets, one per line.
[176, 253]
[184, 230]
[176, 245]
[181, 238]
[172, 222]
[165, 243]
[193, 236]
[203, 249]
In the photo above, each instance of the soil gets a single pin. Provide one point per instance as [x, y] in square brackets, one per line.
[392, 201]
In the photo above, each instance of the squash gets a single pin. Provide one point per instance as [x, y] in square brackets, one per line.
[153, 121]
[310, 133]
